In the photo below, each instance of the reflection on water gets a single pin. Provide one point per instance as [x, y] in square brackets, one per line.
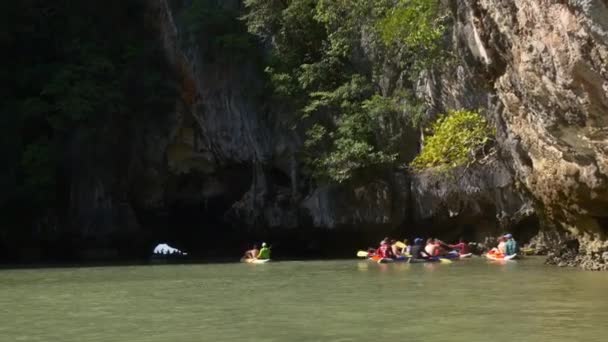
[469, 300]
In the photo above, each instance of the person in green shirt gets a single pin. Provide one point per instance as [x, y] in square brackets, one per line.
[264, 252]
[511, 245]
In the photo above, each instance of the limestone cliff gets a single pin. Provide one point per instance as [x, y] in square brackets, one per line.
[540, 67]
[227, 127]
[233, 127]
[536, 68]
[226, 160]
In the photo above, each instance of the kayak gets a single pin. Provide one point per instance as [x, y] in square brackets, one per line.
[385, 260]
[468, 255]
[493, 256]
[450, 255]
[388, 260]
[380, 260]
[256, 261]
[527, 250]
[420, 261]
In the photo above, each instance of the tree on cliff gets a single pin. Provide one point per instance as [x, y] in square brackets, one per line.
[330, 61]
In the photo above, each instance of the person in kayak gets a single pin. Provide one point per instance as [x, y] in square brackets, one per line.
[417, 250]
[442, 248]
[252, 253]
[385, 251]
[396, 251]
[264, 252]
[510, 245]
[431, 248]
[501, 249]
[502, 245]
[462, 247]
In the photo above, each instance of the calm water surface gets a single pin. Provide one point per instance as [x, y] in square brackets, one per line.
[471, 300]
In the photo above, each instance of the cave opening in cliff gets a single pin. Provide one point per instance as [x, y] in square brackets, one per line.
[194, 218]
[603, 225]
[278, 177]
[525, 229]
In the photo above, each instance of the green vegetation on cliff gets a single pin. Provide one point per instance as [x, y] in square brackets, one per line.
[346, 67]
[415, 29]
[457, 139]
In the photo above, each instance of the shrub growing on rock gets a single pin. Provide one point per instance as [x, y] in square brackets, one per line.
[457, 139]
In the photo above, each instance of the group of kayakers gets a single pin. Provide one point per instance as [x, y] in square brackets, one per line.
[433, 248]
[418, 249]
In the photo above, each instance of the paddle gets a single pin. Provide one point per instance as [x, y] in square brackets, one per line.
[362, 254]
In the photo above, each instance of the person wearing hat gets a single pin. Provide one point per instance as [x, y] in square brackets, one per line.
[264, 252]
[511, 245]
[417, 250]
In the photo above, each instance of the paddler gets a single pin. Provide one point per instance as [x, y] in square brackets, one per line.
[510, 245]
[252, 253]
[431, 248]
[442, 248]
[502, 245]
[417, 250]
[501, 250]
[384, 251]
[264, 252]
[395, 249]
[462, 247]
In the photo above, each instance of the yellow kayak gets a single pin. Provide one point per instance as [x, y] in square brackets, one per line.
[527, 250]
[256, 261]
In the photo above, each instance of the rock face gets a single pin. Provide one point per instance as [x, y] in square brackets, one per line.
[544, 67]
[482, 200]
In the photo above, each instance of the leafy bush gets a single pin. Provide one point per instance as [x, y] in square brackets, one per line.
[456, 140]
[413, 23]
